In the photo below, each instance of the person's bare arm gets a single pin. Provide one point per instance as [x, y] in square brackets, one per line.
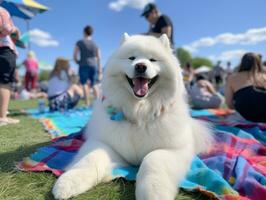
[168, 31]
[229, 93]
[76, 52]
[6, 23]
[210, 87]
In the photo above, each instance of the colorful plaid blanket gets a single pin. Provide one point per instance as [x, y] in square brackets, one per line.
[59, 124]
[234, 169]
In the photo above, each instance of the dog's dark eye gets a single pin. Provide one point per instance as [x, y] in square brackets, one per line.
[132, 58]
[153, 60]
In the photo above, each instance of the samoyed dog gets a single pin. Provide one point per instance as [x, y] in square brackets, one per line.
[143, 120]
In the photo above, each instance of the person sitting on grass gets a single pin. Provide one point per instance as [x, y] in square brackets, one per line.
[245, 90]
[62, 94]
[203, 95]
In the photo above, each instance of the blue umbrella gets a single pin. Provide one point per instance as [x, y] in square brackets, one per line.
[15, 10]
[25, 9]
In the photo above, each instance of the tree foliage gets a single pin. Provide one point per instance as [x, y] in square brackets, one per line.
[183, 56]
[44, 75]
[200, 61]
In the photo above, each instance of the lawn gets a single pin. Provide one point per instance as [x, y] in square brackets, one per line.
[20, 140]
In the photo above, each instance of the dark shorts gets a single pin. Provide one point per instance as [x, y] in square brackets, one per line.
[7, 65]
[63, 101]
[218, 79]
[87, 73]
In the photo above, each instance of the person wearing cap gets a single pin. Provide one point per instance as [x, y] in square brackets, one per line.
[159, 23]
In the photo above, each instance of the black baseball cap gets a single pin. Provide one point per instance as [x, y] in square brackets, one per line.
[148, 8]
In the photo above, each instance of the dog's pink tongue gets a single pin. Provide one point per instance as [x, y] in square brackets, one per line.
[140, 86]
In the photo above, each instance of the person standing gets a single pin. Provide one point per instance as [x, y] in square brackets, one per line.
[188, 74]
[87, 56]
[218, 75]
[228, 68]
[7, 64]
[158, 23]
[31, 76]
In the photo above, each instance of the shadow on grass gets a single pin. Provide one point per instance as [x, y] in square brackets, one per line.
[17, 113]
[8, 160]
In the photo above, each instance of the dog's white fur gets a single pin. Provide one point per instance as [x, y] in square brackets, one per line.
[158, 133]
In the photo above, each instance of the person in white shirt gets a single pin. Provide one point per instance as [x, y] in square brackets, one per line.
[62, 94]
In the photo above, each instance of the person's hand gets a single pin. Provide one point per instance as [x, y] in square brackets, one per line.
[16, 33]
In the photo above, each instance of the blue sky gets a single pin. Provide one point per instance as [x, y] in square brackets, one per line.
[218, 29]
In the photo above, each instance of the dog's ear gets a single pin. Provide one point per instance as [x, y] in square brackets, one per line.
[164, 40]
[124, 38]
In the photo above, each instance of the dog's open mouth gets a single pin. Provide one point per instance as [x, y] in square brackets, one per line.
[141, 85]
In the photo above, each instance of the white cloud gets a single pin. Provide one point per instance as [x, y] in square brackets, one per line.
[250, 37]
[229, 55]
[118, 5]
[42, 39]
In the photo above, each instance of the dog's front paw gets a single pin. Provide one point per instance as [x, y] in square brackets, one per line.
[72, 183]
[63, 188]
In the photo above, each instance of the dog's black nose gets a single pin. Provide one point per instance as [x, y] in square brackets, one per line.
[140, 68]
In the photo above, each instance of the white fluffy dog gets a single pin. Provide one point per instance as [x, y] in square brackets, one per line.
[151, 126]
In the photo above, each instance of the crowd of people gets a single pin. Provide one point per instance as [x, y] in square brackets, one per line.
[62, 90]
[243, 90]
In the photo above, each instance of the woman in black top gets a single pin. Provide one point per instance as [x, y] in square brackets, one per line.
[245, 90]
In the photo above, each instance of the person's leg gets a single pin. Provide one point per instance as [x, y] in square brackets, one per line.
[92, 78]
[96, 91]
[76, 92]
[87, 92]
[26, 79]
[83, 78]
[38, 95]
[7, 76]
[4, 101]
[75, 89]
[34, 82]
[31, 82]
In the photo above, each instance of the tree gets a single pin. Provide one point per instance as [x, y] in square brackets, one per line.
[200, 61]
[183, 56]
[44, 75]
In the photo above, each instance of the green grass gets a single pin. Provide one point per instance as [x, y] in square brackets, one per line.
[20, 140]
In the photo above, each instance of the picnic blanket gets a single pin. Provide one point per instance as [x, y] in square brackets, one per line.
[60, 123]
[235, 168]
